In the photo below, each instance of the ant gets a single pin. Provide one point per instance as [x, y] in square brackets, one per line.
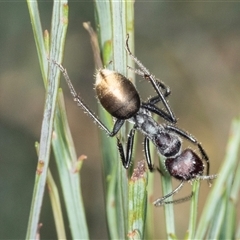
[120, 98]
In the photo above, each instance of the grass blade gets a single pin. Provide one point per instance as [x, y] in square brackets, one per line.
[68, 168]
[112, 19]
[219, 188]
[56, 46]
[49, 110]
[137, 202]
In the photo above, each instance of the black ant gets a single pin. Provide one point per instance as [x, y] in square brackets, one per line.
[120, 98]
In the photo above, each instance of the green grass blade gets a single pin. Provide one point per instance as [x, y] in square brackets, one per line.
[61, 148]
[193, 212]
[112, 20]
[150, 207]
[68, 168]
[39, 40]
[56, 206]
[219, 187]
[234, 197]
[166, 181]
[168, 208]
[219, 218]
[109, 151]
[49, 110]
[237, 236]
[137, 202]
[55, 202]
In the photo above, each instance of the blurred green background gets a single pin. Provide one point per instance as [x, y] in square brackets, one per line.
[193, 47]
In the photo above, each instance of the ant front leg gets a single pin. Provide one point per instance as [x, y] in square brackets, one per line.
[159, 84]
[155, 83]
[149, 158]
[117, 125]
[148, 154]
[153, 108]
[150, 105]
[126, 159]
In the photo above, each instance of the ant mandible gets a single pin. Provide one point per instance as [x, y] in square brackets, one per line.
[119, 97]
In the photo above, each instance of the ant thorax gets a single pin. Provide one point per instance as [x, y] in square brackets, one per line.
[167, 143]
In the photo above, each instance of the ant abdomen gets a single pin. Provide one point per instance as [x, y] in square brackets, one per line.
[117, 94]
[185, 166]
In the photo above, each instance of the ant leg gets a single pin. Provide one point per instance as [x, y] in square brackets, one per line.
[126, 160]
[161, 201]
[210, 177]
[184, 199]
[147, 75]
[159, 83]
[148, 157]
[194, 141]
[158, 111]
[156, 99]
[164, 87]
[117, 125]
[150, 105]
[148, 154]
